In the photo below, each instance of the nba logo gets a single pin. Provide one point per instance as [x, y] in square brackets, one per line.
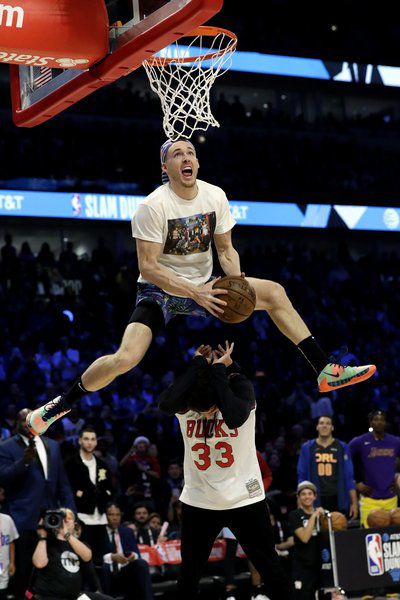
[373, 542]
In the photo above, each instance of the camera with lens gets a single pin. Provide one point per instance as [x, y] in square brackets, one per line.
[53, 519]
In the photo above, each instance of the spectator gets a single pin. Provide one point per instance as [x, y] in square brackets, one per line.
[326, 462]
[138, 467]
[60, 559]
[173, 484]
[72, 424]
[155, 521]
[306, 555]
[91, 484]
[33, 475]
[376, 455]
[122, 564]
[9, 534]
[145, 533]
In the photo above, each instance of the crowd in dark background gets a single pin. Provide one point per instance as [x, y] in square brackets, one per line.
[329, 158]
[347, 301]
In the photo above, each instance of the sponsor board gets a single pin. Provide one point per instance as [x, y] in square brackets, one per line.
[11, 16]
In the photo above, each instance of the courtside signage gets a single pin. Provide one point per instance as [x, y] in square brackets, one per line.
[114, 207]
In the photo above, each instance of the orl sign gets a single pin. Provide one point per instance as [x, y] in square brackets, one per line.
[11, 16]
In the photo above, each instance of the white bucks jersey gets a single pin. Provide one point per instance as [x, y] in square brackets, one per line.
[220, 467]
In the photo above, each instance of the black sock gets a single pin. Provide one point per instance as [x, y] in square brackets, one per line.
[75, 393]
[313, 353]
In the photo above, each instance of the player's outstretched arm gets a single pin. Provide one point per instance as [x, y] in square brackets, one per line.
[154, 272]
[227, 255]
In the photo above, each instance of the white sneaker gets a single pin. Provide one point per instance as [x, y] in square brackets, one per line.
[260, 597]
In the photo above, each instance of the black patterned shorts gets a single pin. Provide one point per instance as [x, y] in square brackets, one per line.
[170, 305]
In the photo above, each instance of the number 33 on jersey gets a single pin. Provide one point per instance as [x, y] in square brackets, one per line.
[221, 467]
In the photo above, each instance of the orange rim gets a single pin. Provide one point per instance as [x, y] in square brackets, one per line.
[203, 30]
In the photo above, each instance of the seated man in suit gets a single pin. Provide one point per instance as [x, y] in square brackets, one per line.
[123, 569]
[33, 475]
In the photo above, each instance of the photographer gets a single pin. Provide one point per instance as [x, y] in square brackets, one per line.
[59, 558]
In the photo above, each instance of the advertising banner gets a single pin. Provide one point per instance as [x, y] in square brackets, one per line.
[366, 558]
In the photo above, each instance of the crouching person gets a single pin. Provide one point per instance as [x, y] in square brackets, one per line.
[59, 558]
[304, 526]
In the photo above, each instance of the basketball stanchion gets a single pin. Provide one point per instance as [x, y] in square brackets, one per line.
[327, 523]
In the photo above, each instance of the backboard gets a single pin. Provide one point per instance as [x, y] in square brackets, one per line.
[138, 29]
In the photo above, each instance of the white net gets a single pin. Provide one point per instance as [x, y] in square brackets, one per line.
[182, 77]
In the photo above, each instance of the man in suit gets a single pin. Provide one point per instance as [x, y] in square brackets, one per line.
[91, 484]
[33, 475]
[123, 569]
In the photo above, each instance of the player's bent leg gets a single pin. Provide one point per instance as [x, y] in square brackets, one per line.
[136, 340]
[271, 296]
[134, 345]
[145, 322]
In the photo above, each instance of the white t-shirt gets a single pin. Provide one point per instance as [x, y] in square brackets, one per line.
[185, 228]
[8, 533]
[221, 471]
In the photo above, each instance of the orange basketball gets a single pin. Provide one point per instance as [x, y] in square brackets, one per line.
[379, 517]
[339, 521]
[395, 516]
[240, 299]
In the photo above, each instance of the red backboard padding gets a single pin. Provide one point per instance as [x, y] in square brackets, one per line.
[53, 33]
[134, 46]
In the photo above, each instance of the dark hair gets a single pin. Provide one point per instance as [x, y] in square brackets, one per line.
[376, 412]
[111, 503]
[202, 395]
[325, 417]
[87, 429]
[140, 505]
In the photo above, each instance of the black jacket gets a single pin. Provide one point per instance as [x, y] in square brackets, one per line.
[235, 396]
[93, 495]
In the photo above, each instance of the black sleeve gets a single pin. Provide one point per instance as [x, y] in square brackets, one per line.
[236, 396]
[295, 521]
[173, 399]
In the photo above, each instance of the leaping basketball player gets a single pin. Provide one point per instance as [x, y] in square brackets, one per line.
[215, 406]
[174, 228]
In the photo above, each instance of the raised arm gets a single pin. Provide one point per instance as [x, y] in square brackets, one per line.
[174, 399]
[154, 272]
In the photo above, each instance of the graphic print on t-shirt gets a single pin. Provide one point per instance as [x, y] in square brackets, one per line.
[190, 235]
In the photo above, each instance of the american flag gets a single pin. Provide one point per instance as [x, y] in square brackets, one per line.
[41, 75]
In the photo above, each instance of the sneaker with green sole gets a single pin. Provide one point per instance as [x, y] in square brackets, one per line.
[38, 421]
[335, 376]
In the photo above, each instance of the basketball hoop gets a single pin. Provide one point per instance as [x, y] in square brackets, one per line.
[182, 76]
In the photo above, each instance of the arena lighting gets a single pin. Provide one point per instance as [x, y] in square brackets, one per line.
[113, 207]
[69, 315]
[312, 68]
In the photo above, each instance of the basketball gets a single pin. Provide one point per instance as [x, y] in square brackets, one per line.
[395, 516]
[339, 521]
[240, 299]
[379, 517]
